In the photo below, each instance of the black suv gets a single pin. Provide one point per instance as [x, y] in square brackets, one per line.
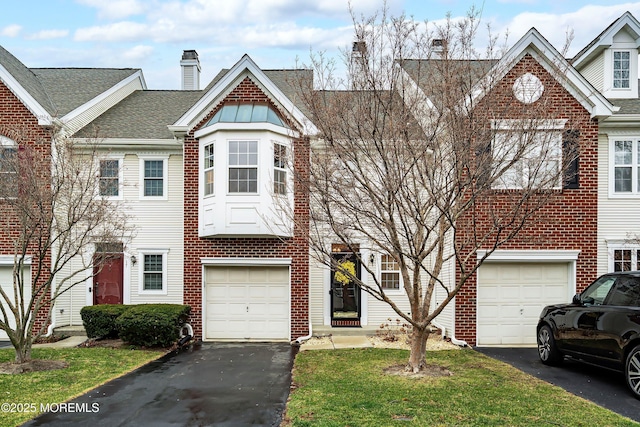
[600, 326]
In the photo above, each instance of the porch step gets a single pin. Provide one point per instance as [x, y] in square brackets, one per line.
[72, 331]
[342, 331]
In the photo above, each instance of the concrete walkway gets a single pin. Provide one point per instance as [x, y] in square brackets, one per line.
[336, 342]
[65, 343]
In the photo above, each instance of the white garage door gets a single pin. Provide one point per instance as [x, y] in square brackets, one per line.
[6, 281]
[511, 296]
[247, 303]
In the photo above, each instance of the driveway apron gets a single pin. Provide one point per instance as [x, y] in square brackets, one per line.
[601, 386]
[210, 384]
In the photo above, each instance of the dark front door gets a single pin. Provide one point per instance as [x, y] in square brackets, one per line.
[108, 278]
[345, 292]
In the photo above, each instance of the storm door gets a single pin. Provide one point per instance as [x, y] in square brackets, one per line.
[345, 292]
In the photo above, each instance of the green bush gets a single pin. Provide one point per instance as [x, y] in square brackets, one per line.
[100, 320]
[152, 325]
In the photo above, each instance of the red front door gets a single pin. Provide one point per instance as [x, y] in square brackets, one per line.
[107, 278]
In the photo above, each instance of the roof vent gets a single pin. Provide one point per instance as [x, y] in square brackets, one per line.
[190, 65]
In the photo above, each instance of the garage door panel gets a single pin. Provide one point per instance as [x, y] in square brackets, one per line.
[6, 282]
[511, 296]
[245, 303]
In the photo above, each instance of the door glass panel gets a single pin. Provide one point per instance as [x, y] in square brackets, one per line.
[345, 299]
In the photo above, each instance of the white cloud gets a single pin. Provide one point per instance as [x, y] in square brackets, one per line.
[115, 9]
[120, 31]
[49, 34]
[586, 23]
[138, 53]
[11, 30]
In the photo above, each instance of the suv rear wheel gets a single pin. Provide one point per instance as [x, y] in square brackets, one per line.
[547, 350]
[632, 371]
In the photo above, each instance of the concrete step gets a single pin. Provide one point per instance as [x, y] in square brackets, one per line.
[72, 331]
[325, 330]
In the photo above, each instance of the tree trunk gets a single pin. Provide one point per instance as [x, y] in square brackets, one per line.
[23, 352]
[417, 357]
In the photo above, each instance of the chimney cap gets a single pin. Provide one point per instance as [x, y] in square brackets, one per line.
[189, 54]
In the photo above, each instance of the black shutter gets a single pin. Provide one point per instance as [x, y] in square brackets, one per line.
[570, 156]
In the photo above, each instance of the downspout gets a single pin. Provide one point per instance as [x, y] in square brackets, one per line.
[300, 340]
[52, 290]
[454, 340]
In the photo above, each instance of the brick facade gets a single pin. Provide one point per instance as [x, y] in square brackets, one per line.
[20, 125]
[195, 248]
[569, 220]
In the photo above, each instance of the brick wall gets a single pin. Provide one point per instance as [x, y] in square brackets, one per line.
[20, 125]
[569, 220]
[196, 248]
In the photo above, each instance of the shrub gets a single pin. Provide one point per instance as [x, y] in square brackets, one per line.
[100, 320]
[152, 325]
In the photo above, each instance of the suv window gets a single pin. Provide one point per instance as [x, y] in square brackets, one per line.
[596, 293]
[626, 292]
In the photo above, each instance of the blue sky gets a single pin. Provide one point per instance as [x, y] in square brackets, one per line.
[151, 34]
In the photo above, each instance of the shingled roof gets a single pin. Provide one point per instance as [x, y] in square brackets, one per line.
[27, 79]
[69, 88]
[144, 114]
[61, 90]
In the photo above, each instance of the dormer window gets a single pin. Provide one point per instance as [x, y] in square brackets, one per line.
[246, 113]
[621, 69]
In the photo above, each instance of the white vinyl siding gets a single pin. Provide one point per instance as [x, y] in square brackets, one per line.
[594, 72]
[617, 212]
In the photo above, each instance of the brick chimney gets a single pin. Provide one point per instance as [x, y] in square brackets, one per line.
[190, 65]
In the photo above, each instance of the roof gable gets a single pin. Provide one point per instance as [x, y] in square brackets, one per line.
[534, 44]
[224, 84]
[26, 86]
[627, 23]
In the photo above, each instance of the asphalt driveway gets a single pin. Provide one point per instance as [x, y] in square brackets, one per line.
[210, 384]
[603, 387]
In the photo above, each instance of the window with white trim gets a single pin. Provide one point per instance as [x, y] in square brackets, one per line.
[208, 169]
[389, 273]
[279, 169]
[153, 271]
[243, 166]
[625, 175]
[110, 179]
[153, 177]
[531, 160]
[625, 259]
[621, 69]
[8, 168]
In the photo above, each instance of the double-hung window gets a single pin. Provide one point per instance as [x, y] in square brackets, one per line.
[109, 184]
[625, 259]
[279, 169]
[389, 273]
[243, 166]
[538, 165]
[208, 169]
[153, 177]
[153, 271]
[8, 168]
[625, 166]
[621, 69]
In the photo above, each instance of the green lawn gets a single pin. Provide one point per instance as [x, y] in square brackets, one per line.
[88, 368]
[348, 388]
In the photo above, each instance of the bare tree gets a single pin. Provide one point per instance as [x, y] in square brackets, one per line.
[423, 155]
[53, 215]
